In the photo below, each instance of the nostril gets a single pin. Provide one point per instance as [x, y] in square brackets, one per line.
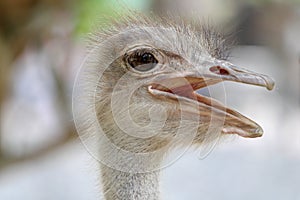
[219, 70]
[224, 72]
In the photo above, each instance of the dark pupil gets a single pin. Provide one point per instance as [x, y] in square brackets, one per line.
[143, 62]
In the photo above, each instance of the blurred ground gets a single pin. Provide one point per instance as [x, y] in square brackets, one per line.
[41, 46]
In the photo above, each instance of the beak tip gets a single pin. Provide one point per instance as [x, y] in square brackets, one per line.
[270, 84]
[259, 132]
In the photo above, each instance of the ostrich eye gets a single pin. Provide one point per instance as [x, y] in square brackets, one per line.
[142, 61]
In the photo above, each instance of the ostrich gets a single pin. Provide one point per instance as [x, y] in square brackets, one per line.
[135, 100]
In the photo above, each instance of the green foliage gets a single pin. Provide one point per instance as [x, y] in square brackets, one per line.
[91, 11]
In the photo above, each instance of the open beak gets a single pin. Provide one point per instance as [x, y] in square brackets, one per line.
[183, 86]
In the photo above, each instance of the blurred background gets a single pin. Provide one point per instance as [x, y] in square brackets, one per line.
[42, 44]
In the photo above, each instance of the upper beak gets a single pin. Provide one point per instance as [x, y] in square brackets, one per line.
[227, 71]
[184, 84]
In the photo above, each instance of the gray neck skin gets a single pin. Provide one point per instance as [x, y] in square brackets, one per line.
[119, 185]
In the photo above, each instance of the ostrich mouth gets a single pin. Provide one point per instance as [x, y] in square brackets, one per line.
[183, 89]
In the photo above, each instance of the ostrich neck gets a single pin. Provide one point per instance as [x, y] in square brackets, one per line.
[119, 185]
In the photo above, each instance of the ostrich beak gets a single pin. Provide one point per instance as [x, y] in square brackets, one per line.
[229, 72]
[183, 86]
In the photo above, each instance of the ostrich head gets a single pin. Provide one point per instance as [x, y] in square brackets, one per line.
[139, 96]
